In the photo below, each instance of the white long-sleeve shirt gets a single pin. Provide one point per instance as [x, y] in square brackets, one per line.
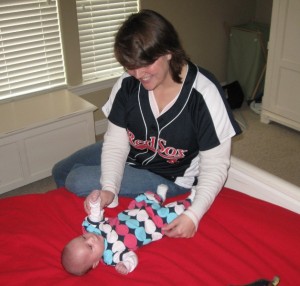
[213, 166]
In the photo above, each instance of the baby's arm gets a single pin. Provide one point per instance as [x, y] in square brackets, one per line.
[129, 263]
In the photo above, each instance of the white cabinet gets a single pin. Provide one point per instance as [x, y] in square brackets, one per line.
[38, 131]
[281, 100]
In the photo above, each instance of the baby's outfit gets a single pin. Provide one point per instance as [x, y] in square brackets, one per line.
[139, 225]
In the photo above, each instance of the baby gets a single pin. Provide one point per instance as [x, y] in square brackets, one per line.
[114, 240]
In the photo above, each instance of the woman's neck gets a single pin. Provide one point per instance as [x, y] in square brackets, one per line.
[166, 92]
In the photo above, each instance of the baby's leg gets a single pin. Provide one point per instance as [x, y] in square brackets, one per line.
[179, 207]
[149, 198]
[188, 201]
[96, 214]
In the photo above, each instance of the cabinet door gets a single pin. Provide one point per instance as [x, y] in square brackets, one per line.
[11, 170]
[282, 89]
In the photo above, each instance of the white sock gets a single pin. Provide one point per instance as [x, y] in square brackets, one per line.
[162, 191]
[96, 213]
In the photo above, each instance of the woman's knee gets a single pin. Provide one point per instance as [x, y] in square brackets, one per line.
[82, 180]
[59, 174]
[75, 185]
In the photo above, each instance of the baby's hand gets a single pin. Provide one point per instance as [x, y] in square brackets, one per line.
[121, 268]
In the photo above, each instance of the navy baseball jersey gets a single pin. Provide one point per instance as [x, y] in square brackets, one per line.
[199, 120]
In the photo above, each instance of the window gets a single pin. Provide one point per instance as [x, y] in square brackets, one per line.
[30, 47]
[33, 41]
[98, 21]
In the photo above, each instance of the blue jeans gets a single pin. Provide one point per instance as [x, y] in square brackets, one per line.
[80, 174]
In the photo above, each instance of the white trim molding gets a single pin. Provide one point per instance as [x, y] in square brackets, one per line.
[255, 182]
[93, 86]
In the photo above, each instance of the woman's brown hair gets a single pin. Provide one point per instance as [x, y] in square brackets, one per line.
[144, 37]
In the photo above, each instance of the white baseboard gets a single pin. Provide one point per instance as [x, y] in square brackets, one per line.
[255, 182]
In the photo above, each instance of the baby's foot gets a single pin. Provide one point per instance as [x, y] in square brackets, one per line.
[96, 213]
[162, 191]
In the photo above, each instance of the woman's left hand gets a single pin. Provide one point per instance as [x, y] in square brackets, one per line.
[182, 227]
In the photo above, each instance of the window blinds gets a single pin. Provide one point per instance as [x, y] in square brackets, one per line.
[98, 21]
[30, 47]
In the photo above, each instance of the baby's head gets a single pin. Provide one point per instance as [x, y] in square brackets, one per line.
[82, 253]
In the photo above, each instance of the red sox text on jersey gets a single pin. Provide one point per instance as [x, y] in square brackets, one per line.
[170, 153]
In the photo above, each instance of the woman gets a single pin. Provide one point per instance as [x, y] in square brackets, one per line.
[168, 123]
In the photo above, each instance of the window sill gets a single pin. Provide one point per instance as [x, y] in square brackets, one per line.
[93, 86]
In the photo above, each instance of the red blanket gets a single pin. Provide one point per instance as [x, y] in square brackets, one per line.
[240, 239]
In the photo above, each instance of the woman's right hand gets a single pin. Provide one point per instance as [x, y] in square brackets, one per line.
[106, 198]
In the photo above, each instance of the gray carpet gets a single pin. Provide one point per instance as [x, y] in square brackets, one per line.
[273, 148]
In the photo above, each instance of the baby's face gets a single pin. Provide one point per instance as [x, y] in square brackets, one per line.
[89, 247]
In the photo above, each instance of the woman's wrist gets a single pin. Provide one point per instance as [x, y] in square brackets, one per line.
[113, 202]
[192, 215]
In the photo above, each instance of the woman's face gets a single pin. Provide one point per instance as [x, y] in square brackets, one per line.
[154, 75]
